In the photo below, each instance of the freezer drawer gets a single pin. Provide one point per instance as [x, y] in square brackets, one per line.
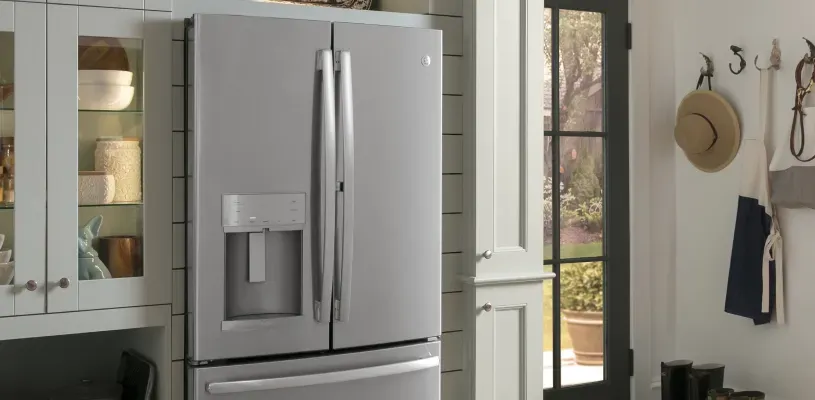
[401, 373]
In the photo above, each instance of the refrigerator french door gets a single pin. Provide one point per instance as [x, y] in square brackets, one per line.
[315, 206]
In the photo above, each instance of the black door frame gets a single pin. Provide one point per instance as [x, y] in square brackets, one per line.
[616, 255]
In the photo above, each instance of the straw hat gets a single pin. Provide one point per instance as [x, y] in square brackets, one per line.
[707, 130]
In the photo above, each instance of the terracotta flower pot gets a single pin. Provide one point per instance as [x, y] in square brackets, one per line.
[586, 331]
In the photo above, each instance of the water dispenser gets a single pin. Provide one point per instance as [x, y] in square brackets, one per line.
[263, 253]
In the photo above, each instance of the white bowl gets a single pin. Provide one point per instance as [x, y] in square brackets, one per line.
[6, 123]
[105, 77]
[5, 256]
[6, 273]
[105, 97]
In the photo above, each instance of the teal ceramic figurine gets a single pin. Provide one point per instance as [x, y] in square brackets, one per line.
[90, 266]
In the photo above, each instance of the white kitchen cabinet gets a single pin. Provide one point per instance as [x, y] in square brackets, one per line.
[49, 311]
[133, 144]
[52, 127]
[506, 347]
[46, 353]
[22, 110]
[503, 199]
[160, 5]
[504, 144]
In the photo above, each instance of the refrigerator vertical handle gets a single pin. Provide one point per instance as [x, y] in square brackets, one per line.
[343, 299]
[328, 184]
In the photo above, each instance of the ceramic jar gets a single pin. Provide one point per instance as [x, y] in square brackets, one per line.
[96, 187]
[121, 157]
[122, 255]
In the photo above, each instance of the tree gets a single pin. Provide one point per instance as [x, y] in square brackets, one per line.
[580, 64]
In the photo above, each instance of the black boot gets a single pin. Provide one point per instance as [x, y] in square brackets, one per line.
[676, 380]
[704, 378]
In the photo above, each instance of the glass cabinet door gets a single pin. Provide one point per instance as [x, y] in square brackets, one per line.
[22, 152]
[109, 150]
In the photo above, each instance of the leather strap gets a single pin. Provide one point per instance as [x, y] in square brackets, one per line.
[801, 92]
[702, 77]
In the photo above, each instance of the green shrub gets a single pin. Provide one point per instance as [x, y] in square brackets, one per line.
[584, 183]
[566, 205]
[587, 215]
[581, 286]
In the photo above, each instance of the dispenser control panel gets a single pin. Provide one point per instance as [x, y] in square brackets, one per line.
[263, 210]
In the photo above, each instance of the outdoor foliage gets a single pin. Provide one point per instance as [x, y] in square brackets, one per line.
[580, 66]
[585, 184]
[581, 286]
[547, 204]
[587, 214]
[580, 71]
[580, 54]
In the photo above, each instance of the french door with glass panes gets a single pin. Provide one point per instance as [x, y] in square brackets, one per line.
[22, 155]
[586, 232]
[109, 179]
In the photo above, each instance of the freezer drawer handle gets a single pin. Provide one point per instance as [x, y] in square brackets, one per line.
[322, 379]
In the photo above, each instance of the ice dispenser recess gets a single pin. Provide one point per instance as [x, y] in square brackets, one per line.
[263, 255]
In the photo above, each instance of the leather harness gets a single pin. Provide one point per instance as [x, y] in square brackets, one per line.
[801, 92]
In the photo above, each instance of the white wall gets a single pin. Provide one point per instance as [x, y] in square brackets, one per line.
[652, 191]
[771, 358]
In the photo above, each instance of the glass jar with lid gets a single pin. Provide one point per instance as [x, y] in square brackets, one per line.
[8, 188]
[7, 155]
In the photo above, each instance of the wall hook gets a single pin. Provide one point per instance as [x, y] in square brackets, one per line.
[706, 71]
[809, 58]
[775, 58]
[737, 52]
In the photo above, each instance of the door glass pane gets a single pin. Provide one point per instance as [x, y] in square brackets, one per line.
[6, 158]
[111, 125]
[548, 332]
[547, 69]
[581, 197]
[582, 334]
[581, 71]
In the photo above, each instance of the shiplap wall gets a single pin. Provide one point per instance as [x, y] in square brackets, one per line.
[452, 168]
[179, 305]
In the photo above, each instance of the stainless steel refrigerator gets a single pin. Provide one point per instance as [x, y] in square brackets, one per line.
[315, 211]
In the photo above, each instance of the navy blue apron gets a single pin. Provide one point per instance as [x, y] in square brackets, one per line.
[755, 283]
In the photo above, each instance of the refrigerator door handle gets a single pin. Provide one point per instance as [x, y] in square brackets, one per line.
[328, 184]
[343, 306]
[321, 379]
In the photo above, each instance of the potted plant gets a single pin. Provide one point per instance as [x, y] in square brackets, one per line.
[581, 288]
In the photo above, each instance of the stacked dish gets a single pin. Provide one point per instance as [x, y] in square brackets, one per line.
[105, 90]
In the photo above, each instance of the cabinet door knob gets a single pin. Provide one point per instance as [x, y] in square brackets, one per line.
[487, 254]
[31, 285]
[64, 283]
[487, 307]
